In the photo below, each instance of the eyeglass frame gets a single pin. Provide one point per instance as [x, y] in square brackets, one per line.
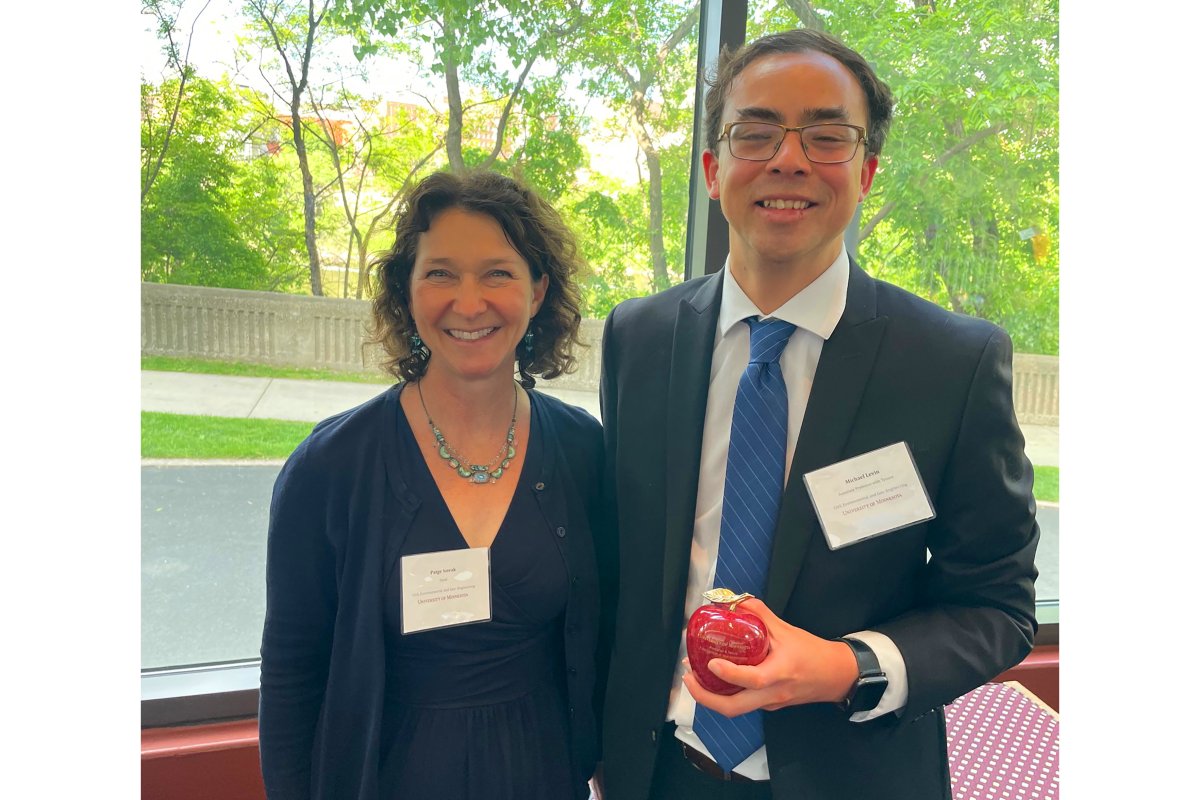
[862, 139]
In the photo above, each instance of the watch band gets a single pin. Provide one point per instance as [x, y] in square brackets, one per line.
[867, 691]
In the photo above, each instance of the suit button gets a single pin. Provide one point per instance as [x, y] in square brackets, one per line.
[654, 736]
[560, 531]
[539, 486]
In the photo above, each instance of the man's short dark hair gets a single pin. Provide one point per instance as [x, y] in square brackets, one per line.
[731, 63]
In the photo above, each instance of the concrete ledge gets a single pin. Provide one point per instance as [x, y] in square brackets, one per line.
[327, 333]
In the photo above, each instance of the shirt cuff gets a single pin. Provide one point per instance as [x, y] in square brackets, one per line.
[892, 664]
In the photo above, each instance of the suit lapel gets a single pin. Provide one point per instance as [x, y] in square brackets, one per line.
[687, 398]
[847, 359]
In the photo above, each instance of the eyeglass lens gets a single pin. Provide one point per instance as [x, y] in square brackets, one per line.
[758, 141]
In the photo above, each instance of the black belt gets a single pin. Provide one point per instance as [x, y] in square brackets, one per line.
[709, 767]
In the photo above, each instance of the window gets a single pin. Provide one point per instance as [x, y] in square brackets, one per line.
[594, 110]
[597, 111]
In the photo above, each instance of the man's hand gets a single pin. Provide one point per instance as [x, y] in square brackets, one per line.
[800, 668]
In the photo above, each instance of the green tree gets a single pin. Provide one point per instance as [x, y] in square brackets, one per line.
[291, 32]
[210, 218]
[498, 113]
[491, 45]
[601, 215]
[546, 151]
[374, 162]
[641, 60]
[158, 128]
[970, 166]
[265, 207]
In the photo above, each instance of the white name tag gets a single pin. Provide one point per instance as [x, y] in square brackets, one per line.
[440, 590]
[868, 495]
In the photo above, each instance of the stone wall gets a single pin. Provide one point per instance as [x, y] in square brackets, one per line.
[327, 333]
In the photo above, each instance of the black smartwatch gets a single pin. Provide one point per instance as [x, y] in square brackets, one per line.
[868, 690]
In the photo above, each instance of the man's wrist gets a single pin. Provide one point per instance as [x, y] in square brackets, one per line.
[844, 672]
[870, 682]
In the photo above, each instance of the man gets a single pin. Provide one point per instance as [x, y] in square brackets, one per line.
[710, 449]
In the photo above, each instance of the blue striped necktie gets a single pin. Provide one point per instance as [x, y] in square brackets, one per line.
[753, 488]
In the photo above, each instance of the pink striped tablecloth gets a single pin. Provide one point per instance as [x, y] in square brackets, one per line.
[1002, 745]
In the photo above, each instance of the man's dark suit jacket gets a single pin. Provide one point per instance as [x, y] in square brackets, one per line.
[896, 368]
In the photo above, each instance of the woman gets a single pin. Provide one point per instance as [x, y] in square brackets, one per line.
[371, 686]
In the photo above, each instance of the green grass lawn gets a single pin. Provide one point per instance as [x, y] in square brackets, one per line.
[210, 367]
[187, 436]
[1045, 484]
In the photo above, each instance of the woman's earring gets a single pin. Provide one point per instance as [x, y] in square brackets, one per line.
[417, 346]
[529, 341]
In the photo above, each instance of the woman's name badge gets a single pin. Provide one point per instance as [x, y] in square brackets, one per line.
[441, 590]
[868, 495]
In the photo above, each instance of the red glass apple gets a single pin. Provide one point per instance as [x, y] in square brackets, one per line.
[718, 630]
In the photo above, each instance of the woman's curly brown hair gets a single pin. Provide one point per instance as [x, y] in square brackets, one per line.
[533, 228]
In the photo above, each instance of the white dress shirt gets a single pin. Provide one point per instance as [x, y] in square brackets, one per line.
[815, 312]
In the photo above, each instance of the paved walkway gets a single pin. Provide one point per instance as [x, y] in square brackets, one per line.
[311, 401]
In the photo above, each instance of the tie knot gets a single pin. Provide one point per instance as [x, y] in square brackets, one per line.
[767, 339]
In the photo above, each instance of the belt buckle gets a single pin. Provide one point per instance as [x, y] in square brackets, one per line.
[709, 767]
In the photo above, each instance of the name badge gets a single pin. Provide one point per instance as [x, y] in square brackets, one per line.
[868, 495]
[444, 589]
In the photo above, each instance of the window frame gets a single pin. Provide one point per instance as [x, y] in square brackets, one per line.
[199, 694]
[226, 691]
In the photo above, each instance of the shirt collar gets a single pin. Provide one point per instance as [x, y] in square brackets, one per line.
[817, 307]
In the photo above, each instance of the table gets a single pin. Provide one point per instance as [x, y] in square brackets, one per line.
[1002, 743]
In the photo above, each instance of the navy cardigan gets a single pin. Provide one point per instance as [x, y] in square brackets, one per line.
[340, 511]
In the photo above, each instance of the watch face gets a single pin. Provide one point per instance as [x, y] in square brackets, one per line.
[868, 692]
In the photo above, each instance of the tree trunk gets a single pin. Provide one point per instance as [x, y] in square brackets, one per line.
[298, 87]
[658, 249]
[310, 198]
[808, 17]
[330, 139]
[654, 190]
[502, 125]
[454, 126]
[649, 147]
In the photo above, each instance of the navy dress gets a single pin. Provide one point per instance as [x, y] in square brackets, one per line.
[480, 710]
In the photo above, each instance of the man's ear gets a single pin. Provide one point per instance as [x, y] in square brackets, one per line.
[709, 160]
[868, 176]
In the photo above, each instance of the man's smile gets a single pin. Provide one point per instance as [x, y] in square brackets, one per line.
[783, 203]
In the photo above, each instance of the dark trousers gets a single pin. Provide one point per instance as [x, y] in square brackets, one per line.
[675, 778]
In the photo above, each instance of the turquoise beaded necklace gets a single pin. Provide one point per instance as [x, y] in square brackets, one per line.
[478, 474]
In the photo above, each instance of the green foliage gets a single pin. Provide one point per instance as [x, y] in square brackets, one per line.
[570, 98]
[640, 59]
[210, 218]
[616, 269]
[971, 163]
[548, 154]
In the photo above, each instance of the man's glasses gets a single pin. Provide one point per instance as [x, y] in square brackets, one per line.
[825, 143]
